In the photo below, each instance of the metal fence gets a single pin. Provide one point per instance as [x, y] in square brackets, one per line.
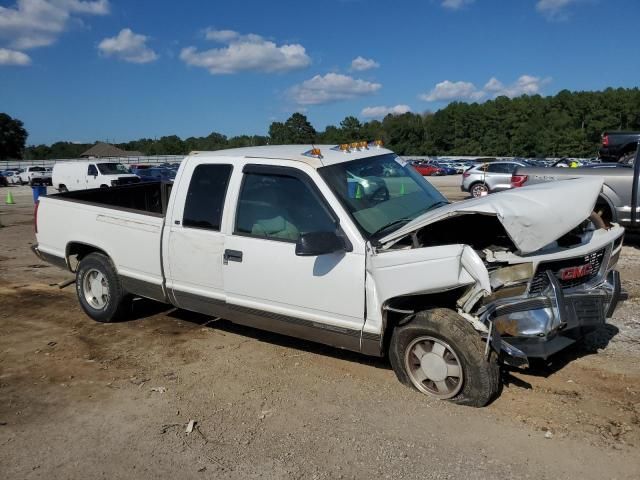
[152, 160]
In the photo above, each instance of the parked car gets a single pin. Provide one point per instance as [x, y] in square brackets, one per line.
[427, 169]
[489, 178]
[616, 201]
[274, 237]
[11, 177]
[618, 146]
[83, 174]
[445, 168]
[155, 174]
[35, 176]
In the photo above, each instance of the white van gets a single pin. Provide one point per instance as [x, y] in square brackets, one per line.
[81, 175]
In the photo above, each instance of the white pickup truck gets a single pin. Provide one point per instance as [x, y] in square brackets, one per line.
[351, 247]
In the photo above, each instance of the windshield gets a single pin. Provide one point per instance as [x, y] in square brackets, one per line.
[112, 168]
[381, 193]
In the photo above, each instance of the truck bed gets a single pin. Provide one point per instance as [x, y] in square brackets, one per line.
[123, 222]
[147, 197]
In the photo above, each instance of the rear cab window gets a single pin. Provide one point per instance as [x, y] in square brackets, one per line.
[205, 199]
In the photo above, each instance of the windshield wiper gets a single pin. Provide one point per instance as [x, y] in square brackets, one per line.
[384, 228]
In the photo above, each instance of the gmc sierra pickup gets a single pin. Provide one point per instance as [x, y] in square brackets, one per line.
[349, 246]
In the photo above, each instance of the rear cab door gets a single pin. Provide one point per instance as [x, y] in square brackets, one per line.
[193, 242]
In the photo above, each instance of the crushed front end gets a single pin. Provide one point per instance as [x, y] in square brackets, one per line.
[544, 302]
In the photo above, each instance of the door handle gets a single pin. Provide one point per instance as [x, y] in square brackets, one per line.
[231, 256]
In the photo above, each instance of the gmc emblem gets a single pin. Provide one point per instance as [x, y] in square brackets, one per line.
[571, 273]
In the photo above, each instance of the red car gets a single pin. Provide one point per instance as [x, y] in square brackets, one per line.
[427, 170]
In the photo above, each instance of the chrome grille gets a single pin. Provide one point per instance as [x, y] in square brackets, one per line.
[540, 280]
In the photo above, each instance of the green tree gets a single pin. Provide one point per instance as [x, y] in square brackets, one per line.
[13, 137]
[296, 130]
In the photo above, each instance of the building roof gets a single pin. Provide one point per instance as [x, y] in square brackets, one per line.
[101, 150]
[330, 155]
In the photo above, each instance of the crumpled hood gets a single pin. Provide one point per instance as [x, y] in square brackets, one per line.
[533, 216]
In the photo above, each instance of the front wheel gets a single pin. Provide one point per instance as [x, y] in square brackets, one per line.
[439, 354]
[99, 289]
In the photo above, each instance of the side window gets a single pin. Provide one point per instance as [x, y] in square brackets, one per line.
[92, 170]
[280, 207]
[205, 197]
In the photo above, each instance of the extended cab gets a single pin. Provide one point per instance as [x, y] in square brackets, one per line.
[352, 248]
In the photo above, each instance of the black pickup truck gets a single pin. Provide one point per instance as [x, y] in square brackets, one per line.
[618, 146]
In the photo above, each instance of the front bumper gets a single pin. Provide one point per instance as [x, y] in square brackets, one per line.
[543, 325]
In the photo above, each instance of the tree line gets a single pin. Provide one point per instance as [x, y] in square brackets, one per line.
[566, 124]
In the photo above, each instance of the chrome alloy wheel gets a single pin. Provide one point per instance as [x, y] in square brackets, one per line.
[434, 367]
[95, 289]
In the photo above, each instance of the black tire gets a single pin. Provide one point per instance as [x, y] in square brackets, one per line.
[117, 303]
[62, 189]
[480, 378]
[477, 187]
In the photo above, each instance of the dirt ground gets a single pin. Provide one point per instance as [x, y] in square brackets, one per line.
[79, 399]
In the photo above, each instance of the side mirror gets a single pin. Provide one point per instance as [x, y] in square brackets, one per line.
[319, 243]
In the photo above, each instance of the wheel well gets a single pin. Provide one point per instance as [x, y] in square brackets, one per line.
[79, 251]
[415, 304]
[604, 210]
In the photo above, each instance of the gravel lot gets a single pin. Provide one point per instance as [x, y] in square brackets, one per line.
[79, 399]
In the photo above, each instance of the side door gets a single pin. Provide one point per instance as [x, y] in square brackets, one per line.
[193, 243]
[320, 298]
[499, 175]
[91, 180]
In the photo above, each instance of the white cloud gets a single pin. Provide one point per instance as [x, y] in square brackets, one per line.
[456, 4]
[379, 112]
[128, 46]
[331, 87]
[222, 36]
[13, 57]
[554, 9]
[359, 64]
[245, 53]
[38, 23]
[447, 90]
[525, 85]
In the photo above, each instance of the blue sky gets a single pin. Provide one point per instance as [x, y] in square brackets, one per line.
[119, 70]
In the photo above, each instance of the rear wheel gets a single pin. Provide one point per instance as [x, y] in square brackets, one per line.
[479, 190]
[99, 289]
[440, 354]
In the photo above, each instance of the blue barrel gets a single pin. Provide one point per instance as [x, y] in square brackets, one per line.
[38, 190]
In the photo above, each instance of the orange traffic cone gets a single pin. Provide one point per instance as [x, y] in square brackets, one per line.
[9, 199]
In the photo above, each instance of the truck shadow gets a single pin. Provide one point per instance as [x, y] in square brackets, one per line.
[594, 342]
[590, 345]
[306, 346]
